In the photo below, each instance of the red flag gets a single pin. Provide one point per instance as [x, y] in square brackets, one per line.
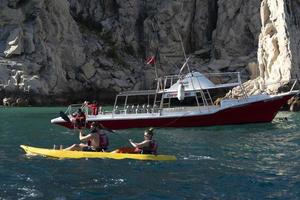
[151, 60]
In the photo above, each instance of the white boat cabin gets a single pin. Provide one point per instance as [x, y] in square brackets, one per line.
[176, 93]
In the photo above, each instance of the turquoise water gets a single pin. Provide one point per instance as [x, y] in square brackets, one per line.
[256, 161]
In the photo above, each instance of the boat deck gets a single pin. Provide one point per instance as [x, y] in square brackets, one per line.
[165, 112]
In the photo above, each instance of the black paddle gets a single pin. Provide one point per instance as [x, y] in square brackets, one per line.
[107, 129]
[64, 116]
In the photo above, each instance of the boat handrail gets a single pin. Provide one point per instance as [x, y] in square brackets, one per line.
[225, 85]
[202, 74]
[165, 88]
[136, 111]
[139, 92]
[218, 80]
[295, 82]
[284, 83]
[72, 107]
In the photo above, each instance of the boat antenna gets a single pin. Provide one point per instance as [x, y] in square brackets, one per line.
[155, 29]
[186, 63]
[155, 67]
[152, 61]
[186, 58]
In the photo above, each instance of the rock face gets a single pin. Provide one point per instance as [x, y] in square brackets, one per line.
[39, 44]
[279, 42]
[278, 49]
[72, 50]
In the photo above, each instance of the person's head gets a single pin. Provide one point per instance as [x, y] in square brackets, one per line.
[148, 134]
[151, 129]
[94, 127]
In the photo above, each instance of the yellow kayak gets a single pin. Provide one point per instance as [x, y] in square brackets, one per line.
[85, 154]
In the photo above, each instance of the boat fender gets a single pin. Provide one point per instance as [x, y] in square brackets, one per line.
[180, 92]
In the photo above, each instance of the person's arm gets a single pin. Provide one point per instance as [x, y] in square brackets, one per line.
[139, 145]
[83, 137]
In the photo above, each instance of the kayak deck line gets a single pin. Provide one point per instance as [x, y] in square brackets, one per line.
[85, 154]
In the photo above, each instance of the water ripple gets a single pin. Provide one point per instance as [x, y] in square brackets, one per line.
[254, 161]
[196, 157]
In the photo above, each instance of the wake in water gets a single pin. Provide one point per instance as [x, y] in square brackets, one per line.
[195, 157]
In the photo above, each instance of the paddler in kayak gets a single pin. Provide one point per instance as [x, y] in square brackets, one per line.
[96, 140]
[148, 146]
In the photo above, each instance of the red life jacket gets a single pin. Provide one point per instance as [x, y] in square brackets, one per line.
[94, 108]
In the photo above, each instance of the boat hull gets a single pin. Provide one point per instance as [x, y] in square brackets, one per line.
[253, 112]
[84, 154]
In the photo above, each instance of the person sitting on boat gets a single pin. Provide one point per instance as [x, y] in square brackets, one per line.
[79, 119]
[96, 140]
[148, 146]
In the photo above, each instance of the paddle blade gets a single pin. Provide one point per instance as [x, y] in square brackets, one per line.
[107, 129]
[110, 130]
[64, 116]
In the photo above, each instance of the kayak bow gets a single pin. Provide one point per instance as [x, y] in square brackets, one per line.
[85, 154]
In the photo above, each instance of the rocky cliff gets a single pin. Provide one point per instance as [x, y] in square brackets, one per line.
[278, 54]
[62, 51]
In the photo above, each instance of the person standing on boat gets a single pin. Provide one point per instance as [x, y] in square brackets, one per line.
[92, 106]
[96, 140]
[148, 146]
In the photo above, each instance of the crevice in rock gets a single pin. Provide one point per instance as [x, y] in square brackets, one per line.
[213, 17]
[110, 9]
[115, 9]
[17, 4]
[213, 10]
[291, 8]
[86, 22]
[288, 8]
[139, 28]
[190, 47]
[249, 42]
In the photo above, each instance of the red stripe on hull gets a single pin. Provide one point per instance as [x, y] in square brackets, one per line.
[261, 111]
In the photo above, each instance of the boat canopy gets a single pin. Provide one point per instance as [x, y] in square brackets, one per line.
[196, 81]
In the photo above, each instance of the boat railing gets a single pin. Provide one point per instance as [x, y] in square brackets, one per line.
[220, 80]
[294, 83]
[136, 109]
[284, 86]
[197, 85]
[73, 108]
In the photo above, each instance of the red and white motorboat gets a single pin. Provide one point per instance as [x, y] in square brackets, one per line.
[185, 101]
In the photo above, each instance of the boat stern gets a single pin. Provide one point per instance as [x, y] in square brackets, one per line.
[60, 121]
